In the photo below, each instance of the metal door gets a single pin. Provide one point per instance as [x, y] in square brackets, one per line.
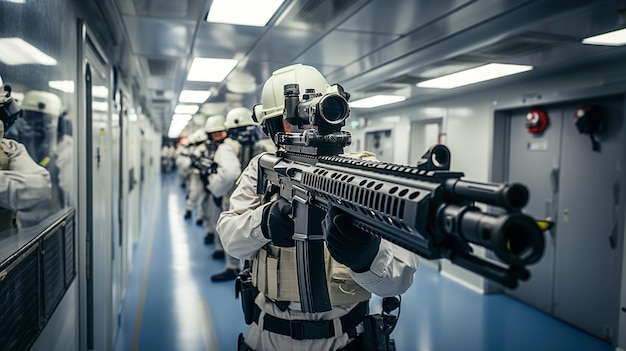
[534, 161]
[587, 276]
[98, 194]
[578, 278]
[117, 276]
[424, 134]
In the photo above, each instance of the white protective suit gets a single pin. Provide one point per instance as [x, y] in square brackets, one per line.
[264, 145]
[195, 187]
[25, 184]
[220, 183]
[391, 272]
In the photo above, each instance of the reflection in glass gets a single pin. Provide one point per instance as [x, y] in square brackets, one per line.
[37, 130]
[16, 51]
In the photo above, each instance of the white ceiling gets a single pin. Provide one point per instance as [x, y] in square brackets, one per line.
[367, 46]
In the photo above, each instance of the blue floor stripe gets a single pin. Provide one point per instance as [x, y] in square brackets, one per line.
[438, 314]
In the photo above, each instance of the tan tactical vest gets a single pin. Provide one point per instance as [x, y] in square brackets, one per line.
[274, 271]
[7, 216]
[274, 274]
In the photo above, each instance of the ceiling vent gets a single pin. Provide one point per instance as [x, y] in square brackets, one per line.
[319, 14]
[516, 46]
[158, 66]
[162, 101]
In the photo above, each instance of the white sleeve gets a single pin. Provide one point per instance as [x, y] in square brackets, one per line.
[239, 228]
[228, 170]
[25, 184]
[391, 272]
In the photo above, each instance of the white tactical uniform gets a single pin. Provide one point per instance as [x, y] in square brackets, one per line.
[221, 182]
[391, 272]
[183, 163]
[264, 145]
[195, 187]
[23, 183]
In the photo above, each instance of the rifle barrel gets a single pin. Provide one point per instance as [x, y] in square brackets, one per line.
[511, 196]
[514, 237]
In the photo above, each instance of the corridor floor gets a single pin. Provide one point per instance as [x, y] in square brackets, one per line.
[171, 303]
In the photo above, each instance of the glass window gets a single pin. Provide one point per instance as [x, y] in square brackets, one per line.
[38, 62]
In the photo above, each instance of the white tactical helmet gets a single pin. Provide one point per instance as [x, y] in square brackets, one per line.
[197, 136]
[44, 102]
[238, 117]
[214, 124]
[273, 96]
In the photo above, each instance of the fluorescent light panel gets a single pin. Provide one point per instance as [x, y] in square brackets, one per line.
[178, 123]
[66, 86]
[100, 106]
[99, 91]
[181, 118]
[377, 100]
[210, 69]
[197, 96]
[614, 38]
[474, 75]
[243, 12]
[186, 109]
[16, 51]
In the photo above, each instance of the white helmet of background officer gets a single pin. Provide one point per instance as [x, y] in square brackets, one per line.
[214, 124]
[197, 137]
[239, 117]
[273, 97]
[37, 130]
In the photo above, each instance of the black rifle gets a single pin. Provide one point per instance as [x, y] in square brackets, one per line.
[205, 165]
[426, 209]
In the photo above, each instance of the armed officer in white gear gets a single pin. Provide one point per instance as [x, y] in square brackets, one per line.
[37, 131]
[23, 183]
[225, 169]
[243, 130]
[357, 263]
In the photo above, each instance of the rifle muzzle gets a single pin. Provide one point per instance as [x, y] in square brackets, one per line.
[514, 237]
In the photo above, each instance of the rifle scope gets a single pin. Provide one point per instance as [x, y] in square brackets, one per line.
[327, 110]
[515, 238]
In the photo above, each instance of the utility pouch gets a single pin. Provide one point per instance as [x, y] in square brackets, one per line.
[249, 292]
[374, 336]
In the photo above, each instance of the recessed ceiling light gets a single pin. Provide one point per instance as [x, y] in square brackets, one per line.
[197, 96]
[210, 69]
[243, 12]
[376, 100]
[186, 109]
[178, 123]
[474, 75]
[16, 51]
[614, 38]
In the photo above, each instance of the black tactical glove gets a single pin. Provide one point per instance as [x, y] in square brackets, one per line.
[348, 244]
[277, 225]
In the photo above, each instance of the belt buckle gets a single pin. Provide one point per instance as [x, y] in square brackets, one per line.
[296, 330]
[300, 330]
